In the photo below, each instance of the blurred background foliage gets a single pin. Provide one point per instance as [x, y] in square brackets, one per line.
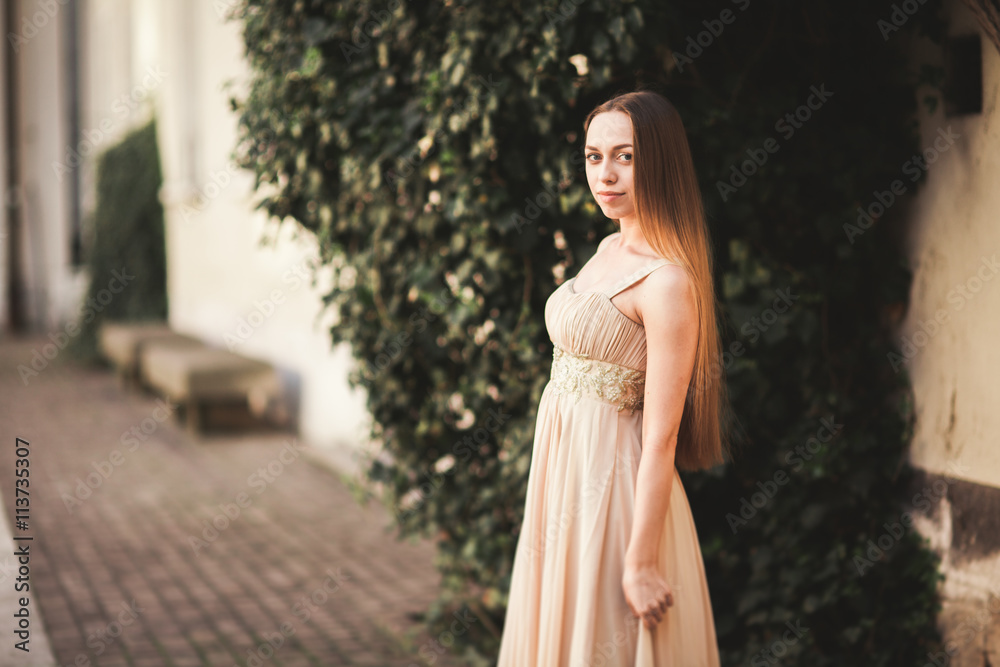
[435, 149]
[127, 236]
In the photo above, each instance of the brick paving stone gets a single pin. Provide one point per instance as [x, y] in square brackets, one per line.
[222, 541]
[147, 662]
[119, 662]
[186, 661]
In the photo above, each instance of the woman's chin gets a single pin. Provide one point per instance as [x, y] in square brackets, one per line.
[614, 212]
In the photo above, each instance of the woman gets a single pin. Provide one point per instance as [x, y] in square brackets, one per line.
[636, 392]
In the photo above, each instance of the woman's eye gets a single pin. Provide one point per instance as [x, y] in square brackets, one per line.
[597, 155]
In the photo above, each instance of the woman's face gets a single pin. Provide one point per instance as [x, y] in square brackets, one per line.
[609, 163]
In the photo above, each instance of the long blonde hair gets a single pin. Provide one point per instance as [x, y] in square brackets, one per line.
[671, 216]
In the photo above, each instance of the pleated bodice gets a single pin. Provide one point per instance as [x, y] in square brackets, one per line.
[589, 323]
[598, 350]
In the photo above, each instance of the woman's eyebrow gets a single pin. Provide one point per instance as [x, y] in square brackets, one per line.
[595, 148]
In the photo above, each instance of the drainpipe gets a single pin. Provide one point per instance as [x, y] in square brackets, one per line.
[15, 283]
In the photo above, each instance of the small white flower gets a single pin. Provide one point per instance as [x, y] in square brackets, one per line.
[444, 463]
[467, 420]
[580, 63]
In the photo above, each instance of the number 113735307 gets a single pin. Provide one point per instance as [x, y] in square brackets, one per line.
[21, 497]
[22, 466]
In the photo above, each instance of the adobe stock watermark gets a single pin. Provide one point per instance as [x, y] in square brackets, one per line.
[968, 629]
[786, 126]
[603, 653]
[60, 339]
[900, 14]
[103, 469]
[424, 148]
[223, 8]
[446, 465]
[958, 296]
[752, 328]
[697, 44]
[796, 458]
[778, 649]
[264, 308]
[894, 532]
[566, 10]
[122, 108]
[591, 490]
[534, 206]
[218, 180]
[913, 167]
[31, 26]
[549, 194]
[229, 512]
[432, 649]
[391, 350]
[371, 30]
[102, 639]
[301, 609]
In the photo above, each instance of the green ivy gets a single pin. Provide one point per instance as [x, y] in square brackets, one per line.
[435, 152]
[127, 247]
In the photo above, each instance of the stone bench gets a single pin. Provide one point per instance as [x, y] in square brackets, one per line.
[195, 376]
[121, 343]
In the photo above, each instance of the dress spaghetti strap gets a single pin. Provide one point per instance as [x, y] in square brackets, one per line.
[636, 276]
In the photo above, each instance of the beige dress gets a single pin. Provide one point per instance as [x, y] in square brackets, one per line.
[566, 606]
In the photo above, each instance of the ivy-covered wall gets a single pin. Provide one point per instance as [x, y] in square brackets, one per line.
[437, 149]
[126, 256]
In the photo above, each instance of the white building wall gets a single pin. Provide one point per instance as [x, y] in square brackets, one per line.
[108, 109]
[223, 286]
[949, 338]
[53, 286]
[5, 193]
[953, 240]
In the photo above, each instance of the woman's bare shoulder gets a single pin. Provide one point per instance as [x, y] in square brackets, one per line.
[606, 240]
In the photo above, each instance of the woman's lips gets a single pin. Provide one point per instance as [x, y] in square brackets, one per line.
[610, 197]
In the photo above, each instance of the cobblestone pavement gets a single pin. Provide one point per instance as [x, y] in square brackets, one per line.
[160, 549]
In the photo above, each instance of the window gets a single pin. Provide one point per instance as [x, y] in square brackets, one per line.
[963, 63]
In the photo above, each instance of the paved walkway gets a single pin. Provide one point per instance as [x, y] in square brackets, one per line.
[152, 549]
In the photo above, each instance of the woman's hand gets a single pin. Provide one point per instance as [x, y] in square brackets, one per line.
[648, 594]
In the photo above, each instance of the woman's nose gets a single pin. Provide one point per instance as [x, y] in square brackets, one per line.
[606, 172]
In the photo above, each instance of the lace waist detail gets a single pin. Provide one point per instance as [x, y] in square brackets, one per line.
[579, 375]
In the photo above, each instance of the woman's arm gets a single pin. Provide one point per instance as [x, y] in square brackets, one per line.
[666, 304]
